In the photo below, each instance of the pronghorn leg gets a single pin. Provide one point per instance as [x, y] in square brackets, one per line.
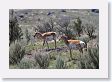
[86, 46]
[70, 54]
[43, 42]
[54, 38]
[55, 43]
[47, 44]
[80, 48]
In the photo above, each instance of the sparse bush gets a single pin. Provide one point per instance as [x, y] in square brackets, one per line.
[16, 53]
[78, 26]
[51, 22]
[91, 60]
[27, 35]
[65, 28]
[42, 59]
[90, 30]
[40, 28]
[94, 55]
[27, 63]
[15, 31]
[47, 27]
[64, 24]
[60, 64]
[53, 55]
[82, 63]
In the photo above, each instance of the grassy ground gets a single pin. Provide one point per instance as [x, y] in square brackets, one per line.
[61, 51]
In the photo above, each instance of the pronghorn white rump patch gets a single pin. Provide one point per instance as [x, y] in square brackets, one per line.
[82, 43]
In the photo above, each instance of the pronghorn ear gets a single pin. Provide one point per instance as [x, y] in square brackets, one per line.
[34, 34]
[36, 31]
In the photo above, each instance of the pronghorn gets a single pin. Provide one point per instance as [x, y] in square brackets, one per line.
[47, 36]
[77, 44]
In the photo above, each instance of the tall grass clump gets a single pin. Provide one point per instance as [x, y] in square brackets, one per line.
[42, 59]
[78, 26]
[90, 30]
[27, 63]
[64, 24]
[27, 35]
[15, 31]
[60, 64]
[94, 56]
[90, 60]
[16, 53]
[45, 26]
[64, 27]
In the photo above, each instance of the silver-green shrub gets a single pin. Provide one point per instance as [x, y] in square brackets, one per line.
[90, 60]
[90, 30]
[60, 64]
[94, 56]
[42, 59]
[16, 52]
[27, 63]
[15, 32]
[78, 26]
[27, 35]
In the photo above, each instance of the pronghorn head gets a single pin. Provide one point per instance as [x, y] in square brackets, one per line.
[37, 34]
[62, 37]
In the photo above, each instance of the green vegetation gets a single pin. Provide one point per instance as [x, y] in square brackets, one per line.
[90, 30]
[27, 35]
[60, 64]
[78, 26]
[90, 60]
[15, 31]
[27, 52]
[42, 59]
[16, 53]
[27, 63]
